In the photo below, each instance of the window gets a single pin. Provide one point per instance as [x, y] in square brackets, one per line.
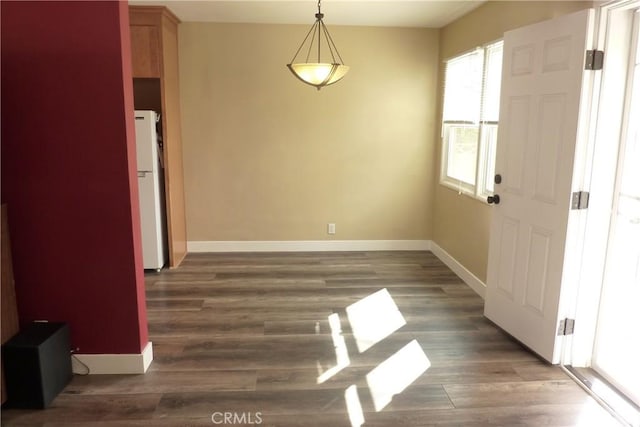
[470, 120]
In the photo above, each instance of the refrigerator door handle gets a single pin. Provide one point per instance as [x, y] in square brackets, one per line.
[142, 174]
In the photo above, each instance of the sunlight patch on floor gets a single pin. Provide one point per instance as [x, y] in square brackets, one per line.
[354, 408]
[340, 347]
[374, 318]
[594, 415]
[625, 409]
[395, 374]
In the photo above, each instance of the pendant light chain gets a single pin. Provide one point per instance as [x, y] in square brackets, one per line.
[319, 17]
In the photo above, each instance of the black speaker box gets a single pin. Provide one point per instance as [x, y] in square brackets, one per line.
[37, 365]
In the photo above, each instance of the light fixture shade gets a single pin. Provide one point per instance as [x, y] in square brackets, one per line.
[318, 74]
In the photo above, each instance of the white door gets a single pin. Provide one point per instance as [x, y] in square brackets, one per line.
[541, 107]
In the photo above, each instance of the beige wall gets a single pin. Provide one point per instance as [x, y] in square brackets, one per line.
[269, 158]
[461, 223]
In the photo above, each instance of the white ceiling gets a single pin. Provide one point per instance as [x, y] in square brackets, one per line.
[398, 13]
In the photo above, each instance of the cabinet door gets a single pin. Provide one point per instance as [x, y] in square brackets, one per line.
[145, 51]
[174, 176]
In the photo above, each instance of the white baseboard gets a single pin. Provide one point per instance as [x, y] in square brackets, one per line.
[308, 246]
[461, 271]
[113, 363]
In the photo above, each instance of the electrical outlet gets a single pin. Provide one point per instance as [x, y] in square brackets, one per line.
[331, 228]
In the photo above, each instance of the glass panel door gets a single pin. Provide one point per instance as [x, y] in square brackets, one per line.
[617, 349]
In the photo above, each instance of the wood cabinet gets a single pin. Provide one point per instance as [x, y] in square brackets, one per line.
[154, 49]
[145, 46]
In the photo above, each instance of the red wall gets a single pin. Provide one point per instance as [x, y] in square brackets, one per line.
[68, 170]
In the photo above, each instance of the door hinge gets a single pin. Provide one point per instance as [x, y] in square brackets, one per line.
[594, 60]
[566, 326]
[579, 200]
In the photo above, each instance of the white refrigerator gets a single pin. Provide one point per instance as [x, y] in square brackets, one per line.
[150, 190]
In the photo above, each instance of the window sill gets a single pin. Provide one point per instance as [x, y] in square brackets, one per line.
[465, 192]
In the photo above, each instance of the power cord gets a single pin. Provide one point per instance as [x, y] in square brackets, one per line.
[74, 357]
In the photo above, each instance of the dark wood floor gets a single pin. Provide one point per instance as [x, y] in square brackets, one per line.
[251, 334]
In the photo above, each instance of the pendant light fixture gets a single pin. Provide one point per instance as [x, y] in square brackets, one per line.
[318, 74]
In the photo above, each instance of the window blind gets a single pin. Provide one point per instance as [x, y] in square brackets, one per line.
[463, 89]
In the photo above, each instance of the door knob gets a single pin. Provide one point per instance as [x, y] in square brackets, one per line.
[497, 179]
[495, 199]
